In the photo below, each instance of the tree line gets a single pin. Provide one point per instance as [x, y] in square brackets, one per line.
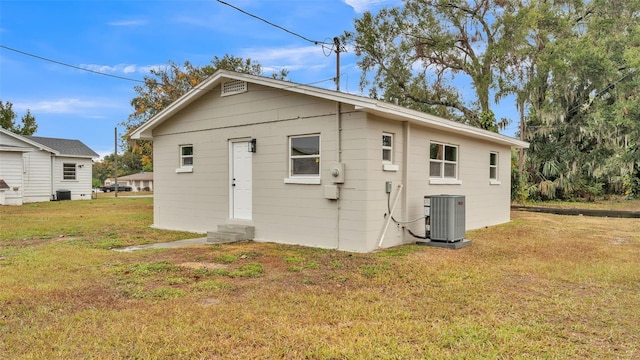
[571, 66]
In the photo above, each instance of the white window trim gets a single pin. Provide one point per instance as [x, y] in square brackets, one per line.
[302, 180]
[494, 181]
[75, 171]
[305, 179]
[390, 148]
[390, 167]
[184, 168]
[442, 179]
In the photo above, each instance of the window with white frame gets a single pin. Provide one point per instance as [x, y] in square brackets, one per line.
[443, 161]
[304, 156]
[493, 166]
[186, 156]
[68, 171]
[387, 148]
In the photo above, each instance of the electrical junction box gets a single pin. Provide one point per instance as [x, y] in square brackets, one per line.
[331, 192]
[336, 172]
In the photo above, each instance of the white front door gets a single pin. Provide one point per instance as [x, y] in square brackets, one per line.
[240, 182]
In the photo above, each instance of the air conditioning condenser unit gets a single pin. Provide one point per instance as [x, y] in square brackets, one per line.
[444, 217]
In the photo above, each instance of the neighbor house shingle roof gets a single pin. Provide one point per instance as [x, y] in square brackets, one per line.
[65, 147]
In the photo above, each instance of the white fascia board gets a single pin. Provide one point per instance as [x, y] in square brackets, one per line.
[403, 114]
[15, 149]
[36, 145]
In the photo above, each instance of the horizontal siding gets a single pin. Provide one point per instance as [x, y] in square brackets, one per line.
[80, 187]
[37, 178]
[11, 172]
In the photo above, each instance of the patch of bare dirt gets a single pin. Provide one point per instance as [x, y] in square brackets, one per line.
[199, 265]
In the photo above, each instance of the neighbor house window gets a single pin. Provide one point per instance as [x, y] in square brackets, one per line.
[493, 166]
[443, 161]
[304, 158]
[387, 148]
[68, 171]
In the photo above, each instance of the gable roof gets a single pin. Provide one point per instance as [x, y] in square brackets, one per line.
[65, 147]
[23, 139]
[360, 103]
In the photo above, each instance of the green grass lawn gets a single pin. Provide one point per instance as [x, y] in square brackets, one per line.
[541, 286]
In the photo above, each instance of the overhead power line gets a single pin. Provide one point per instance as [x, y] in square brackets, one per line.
[274, 25]
[69, 65]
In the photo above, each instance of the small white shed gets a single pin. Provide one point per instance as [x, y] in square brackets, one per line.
[316, 167]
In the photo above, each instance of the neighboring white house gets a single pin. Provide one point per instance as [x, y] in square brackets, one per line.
[35, 168]
[139, 182]
[310, 166]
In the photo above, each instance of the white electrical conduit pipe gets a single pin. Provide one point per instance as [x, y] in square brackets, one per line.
[388, 221]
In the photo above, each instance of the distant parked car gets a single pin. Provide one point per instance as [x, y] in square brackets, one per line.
[112, 187]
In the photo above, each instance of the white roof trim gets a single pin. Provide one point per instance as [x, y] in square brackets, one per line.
[359, 102]
[15, 149]
[30, 142]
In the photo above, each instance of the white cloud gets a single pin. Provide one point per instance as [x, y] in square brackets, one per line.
[291, 58]
[277, 54]
[121, 68]
[65, 106]
[361, 6]
[127, 23]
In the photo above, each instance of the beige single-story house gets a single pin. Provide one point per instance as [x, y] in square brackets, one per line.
[315, 167]
[35, 169]
[139, 182]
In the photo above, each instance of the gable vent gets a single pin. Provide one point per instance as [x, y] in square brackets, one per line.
[234, 87]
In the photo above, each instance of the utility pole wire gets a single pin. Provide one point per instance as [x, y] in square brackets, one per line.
[272, 24]
[69, 65]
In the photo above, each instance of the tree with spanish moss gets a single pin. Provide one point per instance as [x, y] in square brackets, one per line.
[418, 54]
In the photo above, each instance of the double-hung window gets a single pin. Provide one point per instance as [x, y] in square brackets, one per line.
[186, 159]
[304, 159]
[387, 148]
[443, 162]
[387, 152]
[493, 168]
[68, 171]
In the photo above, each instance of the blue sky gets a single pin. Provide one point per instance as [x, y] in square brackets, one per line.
[127, 38]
